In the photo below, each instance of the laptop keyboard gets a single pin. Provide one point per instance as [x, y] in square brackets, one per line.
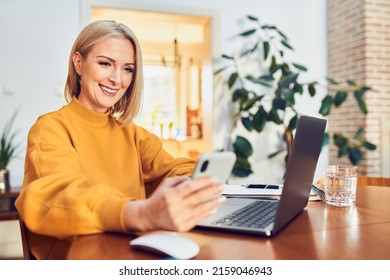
[258, 214]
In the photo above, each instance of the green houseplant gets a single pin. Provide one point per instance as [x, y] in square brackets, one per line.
[9, 150]
[270, 96]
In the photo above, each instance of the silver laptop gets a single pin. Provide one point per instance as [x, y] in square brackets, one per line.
[268, 216]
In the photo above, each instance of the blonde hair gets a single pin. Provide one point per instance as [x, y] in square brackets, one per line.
[129, 106]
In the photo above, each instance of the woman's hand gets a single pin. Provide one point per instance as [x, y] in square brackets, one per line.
[178, 204]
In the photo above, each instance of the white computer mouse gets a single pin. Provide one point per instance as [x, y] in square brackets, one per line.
[170, 244]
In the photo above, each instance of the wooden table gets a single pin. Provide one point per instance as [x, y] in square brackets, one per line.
[320, 232]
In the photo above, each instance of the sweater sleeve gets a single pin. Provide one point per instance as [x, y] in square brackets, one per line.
[157, 163]
[57, 199]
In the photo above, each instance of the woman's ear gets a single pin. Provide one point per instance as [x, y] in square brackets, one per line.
[77, 60]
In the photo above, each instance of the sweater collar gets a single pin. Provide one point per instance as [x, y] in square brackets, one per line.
[87, 116]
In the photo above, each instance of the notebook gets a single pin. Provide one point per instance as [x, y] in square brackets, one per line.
[267, 216]
[263, 190]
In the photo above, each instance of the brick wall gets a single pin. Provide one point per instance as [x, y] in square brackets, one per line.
[359, 49]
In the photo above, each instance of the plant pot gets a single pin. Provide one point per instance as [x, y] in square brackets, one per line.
[4, 181]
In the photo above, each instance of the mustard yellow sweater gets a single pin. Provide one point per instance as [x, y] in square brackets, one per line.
[82, 167]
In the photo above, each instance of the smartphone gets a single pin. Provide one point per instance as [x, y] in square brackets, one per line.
[216, 164]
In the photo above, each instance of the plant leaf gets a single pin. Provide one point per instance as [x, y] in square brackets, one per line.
[267, 26]
[227, 57]
[286, 44]
[362, 106]
[326, 105]
[247, 123]
[265, 49]
[242, 167]
[292, 124]
[258, 81]
[252, 102]
[359, 133]
[343, 151]
[285, 69]
[241, 171]
[340, 140]
[266, 78]
[260, 119]
[355, 155]
[298, 88]
[326, 139]
[359, 94]
[274, 66]
[272, 155]
[369, 146]
[289, 97]
[242, 147]
[253, 18]
[274, 116]
[365, 88]
[300, 67]
[232, 79]
[340, 97]
[286, 81]
[279, 103]
[332, 81]
[220, 70]
[240, 94]
[312, 90]
[281, 33]
[251, 50]
[248, 32]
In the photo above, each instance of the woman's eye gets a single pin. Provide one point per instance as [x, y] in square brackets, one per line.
[105, 64]
[129, 69]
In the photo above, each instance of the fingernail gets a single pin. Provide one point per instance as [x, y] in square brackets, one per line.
[221, 199]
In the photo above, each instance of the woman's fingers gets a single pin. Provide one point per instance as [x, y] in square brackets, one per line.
[174, 181]
[200, 212]
[197, 208]
[191, 192]
[204, 209]
[180, 203]
[201, 187]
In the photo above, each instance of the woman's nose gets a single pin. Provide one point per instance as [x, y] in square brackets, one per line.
[115, 76]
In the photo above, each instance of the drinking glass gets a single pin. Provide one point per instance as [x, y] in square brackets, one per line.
[340, 185]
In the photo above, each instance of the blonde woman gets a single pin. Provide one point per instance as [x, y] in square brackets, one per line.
[90, 169]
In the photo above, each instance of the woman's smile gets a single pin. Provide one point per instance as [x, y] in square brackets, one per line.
[109, 91]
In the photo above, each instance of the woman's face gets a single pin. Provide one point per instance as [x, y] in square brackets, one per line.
[105, 74]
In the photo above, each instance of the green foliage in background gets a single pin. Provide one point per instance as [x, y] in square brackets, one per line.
[267, 45]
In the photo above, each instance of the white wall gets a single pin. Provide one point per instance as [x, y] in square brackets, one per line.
[36, 38]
